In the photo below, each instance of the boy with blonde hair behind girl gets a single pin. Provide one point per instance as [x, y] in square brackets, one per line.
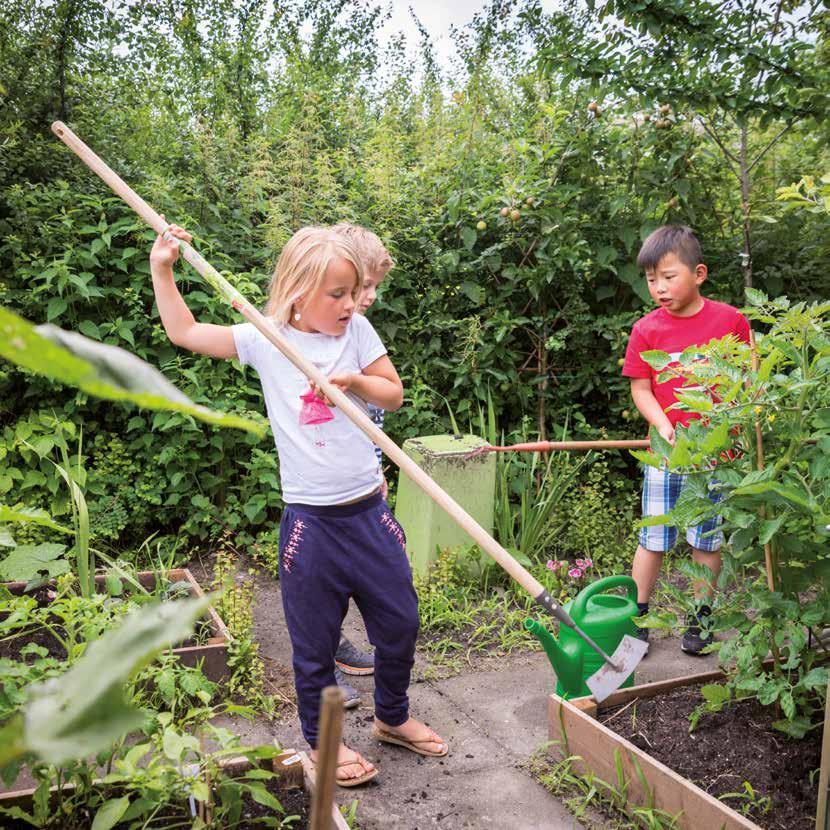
[338, 539]
[376, 263]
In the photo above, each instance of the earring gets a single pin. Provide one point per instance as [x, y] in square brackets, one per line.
[297, 315]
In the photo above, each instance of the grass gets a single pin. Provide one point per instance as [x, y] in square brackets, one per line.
[463, 620]
[598, 804]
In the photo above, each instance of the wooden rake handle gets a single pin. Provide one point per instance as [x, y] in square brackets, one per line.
[548, 446]
[269, 330]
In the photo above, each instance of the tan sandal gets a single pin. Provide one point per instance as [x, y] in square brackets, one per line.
[391, 738]
[357, 780]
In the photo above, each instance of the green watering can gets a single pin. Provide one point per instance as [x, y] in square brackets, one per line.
[604, 617]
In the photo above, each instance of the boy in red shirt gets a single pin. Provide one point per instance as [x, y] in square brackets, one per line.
[673, 263]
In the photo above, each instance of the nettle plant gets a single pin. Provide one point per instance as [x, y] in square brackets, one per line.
[763, 441]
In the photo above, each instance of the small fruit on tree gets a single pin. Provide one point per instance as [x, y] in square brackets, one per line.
[673, 203]
[504, 211]
[621, 361]
[626, 414]
[665, 109]
[515, 215]
[593, 106]
[530, 201]
[481, 225]
[646, 117]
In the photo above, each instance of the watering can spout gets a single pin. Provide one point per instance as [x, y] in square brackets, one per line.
[562, 661]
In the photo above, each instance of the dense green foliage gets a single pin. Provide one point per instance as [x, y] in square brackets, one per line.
[243, 125]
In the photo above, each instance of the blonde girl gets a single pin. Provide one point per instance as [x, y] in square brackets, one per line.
[338, 538]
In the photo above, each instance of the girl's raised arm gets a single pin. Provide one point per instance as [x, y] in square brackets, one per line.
[176, 317]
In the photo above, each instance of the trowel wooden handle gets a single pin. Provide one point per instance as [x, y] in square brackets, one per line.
[269, 330]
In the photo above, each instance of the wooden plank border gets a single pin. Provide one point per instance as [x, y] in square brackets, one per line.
[573, 724]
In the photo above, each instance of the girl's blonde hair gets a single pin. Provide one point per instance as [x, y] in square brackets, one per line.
[302, 266]
[370, 249]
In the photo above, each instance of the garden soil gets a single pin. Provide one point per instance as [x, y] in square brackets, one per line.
[726, 749]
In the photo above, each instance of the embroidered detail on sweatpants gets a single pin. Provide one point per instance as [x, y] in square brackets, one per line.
[292, 546]
[394, 528]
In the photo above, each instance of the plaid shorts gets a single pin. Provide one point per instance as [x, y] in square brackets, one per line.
[661, 489]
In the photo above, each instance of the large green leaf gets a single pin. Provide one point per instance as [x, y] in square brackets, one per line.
[101, 370]
[110, 813]
[30, 514]
[27, 562]
[795, 496]
[84, 711]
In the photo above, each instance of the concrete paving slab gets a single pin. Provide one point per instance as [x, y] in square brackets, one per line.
[509, 705]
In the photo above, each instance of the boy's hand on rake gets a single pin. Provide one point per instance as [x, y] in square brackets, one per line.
[165, 250]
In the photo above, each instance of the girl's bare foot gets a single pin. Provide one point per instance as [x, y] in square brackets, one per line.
[412, 735]
[352, 768]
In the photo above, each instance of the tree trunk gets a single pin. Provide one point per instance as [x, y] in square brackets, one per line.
[746, 255]
[63, 45]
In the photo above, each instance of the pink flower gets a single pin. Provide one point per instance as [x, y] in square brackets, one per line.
[575, 573]
[580, 563]
[589, 563]
[552, 565]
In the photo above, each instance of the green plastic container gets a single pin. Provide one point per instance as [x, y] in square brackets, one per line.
[606, 618]
[470, 481]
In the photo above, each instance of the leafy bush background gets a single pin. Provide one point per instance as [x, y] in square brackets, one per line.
[244, 125]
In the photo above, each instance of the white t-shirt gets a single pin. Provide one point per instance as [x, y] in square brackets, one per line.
[326, 463]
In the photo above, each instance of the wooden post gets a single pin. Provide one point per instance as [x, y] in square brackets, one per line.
[769, 562]
[823, 811]
[328, 742]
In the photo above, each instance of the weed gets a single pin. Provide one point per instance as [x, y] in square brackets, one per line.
[597, 804]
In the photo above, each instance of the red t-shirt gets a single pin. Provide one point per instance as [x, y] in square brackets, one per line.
[660, 329]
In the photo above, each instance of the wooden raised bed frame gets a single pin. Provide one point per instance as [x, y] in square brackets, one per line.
[573, 724]
[295, 767]
[213, 654]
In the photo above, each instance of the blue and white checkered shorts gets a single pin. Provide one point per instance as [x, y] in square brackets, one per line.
[661, 489]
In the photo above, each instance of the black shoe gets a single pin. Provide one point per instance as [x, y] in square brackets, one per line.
[695, 639]
[352, 696]
[643, 634]
[351, 660]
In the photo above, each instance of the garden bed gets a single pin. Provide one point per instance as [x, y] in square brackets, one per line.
[292, 787]
[726, 749]
[668, 768]
[211, 652]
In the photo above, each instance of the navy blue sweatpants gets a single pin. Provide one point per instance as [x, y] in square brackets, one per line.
[327, 555]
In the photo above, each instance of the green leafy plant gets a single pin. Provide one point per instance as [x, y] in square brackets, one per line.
[84, 710]
[748, 802]
[763, 440]
[167, 780]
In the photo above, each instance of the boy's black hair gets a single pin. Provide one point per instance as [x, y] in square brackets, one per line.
[670, 239]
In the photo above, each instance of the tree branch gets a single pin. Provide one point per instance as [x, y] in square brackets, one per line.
[730, 158]
[769, 146]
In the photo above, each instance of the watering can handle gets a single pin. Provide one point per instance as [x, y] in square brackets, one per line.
[599, 587]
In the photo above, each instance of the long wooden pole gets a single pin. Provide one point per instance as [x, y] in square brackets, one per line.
[769, 561]
[548, 446]
[823, 811]
[328, 742]
[270, 331]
